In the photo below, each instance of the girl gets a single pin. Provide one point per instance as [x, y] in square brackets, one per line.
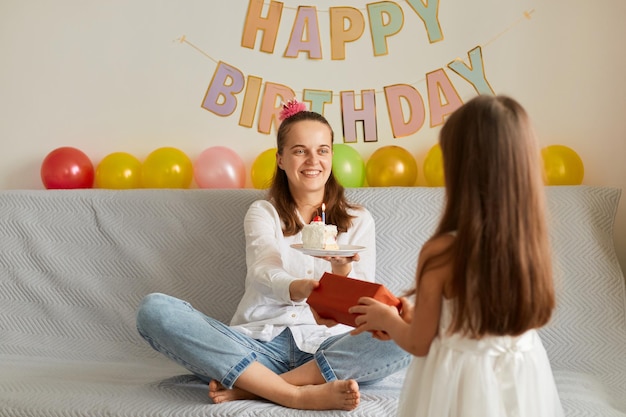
[274, 348]
[484, 280]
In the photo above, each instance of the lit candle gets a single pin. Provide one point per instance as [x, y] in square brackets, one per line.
[323, 213]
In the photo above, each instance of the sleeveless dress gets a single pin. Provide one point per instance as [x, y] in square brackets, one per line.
[496, 376]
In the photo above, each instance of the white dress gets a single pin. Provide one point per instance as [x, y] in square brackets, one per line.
[496, 376]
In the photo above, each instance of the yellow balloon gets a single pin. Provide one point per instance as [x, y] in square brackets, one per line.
[433, 167]
[263, 169]
[391, 166]
[562, 166]
[119, 170]
[166, 168]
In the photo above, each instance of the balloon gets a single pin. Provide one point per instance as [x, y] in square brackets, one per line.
[219, 167]
[562, 165]
[67, 168]
[433, 167]
[166, 168]
[263, 169]
[348, 167]
[119, 170]
[391, 166]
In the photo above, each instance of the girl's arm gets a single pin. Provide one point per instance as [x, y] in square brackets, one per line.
[415, 329]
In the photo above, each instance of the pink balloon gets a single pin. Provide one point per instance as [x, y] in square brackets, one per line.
[219, 167]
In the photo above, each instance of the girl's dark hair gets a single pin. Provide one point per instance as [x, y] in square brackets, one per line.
[502, 271]
[334, 196]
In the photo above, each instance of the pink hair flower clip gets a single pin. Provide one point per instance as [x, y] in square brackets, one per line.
[290, 108]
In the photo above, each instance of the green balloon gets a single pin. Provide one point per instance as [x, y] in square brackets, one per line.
[348, 166]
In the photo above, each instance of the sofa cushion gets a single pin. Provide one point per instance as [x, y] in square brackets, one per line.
[74, 265]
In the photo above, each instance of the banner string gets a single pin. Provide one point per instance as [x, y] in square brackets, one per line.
[327, 10]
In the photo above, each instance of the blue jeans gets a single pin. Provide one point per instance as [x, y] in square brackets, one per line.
[212, 350]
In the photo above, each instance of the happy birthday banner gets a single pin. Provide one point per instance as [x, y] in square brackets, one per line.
[231, 88]
[221, 167]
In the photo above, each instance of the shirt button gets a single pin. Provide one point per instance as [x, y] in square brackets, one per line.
[293, 315]
[309, 272]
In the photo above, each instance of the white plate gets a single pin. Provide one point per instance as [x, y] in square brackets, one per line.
[344, 250]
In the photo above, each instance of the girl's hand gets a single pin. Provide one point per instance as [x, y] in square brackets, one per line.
[406, 311]
[373, 316]
[341, 265]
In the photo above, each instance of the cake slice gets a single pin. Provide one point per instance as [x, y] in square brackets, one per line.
[319, 236]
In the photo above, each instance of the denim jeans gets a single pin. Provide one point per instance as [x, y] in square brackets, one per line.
[212, 350]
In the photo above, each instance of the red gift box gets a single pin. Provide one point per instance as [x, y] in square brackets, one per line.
[336, 294]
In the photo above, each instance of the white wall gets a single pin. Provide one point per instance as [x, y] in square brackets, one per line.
[111, 76]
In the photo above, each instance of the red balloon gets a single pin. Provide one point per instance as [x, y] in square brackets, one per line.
[67, 168]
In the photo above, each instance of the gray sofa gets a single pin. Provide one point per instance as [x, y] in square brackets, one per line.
[75, 263]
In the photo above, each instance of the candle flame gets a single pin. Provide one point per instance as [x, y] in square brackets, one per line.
[323, 206]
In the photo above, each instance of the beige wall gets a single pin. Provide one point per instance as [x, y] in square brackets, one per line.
[111, 76]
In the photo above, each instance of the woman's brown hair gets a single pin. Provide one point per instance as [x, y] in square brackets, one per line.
[334, 196]
[502, 273]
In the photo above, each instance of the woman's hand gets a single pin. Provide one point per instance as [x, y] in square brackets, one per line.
[300, 289]
[321, 321]
[341, 265]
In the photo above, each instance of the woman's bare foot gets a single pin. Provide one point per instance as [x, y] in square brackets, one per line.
[219, 394]
[334, 395]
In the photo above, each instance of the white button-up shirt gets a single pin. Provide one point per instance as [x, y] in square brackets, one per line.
[266, 309]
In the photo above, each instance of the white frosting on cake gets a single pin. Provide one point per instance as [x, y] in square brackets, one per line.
[318, 235]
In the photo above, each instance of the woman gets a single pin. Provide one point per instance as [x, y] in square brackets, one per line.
[276, 347]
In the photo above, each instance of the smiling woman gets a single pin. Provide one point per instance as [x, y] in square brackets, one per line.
[304, 179]
[308, 158]
[276, 346]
